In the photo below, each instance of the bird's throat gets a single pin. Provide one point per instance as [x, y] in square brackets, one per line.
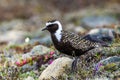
[58, 35]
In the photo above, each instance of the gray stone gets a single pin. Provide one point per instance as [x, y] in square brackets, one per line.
[110, 63]
[98, 21]
[56, 69]
[11, 25]
[108, 60]
[15, 31]
[12, 36]
[40, 50]
[104, 34]
[39, 36]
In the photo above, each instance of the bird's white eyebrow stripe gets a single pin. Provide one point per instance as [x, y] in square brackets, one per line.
[49, 23]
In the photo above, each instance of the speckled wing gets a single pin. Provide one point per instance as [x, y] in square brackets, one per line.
[80, 43]
[70, 37]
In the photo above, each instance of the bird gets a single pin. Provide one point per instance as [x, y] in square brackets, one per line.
[71, 43]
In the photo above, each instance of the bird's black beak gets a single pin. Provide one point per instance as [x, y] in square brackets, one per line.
[44, 29]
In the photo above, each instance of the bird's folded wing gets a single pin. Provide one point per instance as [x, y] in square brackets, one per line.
[81, 43]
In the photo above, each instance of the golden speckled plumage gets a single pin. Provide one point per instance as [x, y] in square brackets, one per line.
[78, 42]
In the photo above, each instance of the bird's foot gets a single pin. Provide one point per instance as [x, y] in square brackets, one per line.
[74, 66]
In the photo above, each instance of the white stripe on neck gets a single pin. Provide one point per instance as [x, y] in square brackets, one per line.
[58, 31]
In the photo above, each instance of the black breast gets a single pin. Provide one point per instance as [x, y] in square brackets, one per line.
[66, 47]
[61, 46]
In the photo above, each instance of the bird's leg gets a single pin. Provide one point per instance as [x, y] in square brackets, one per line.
[74, 64]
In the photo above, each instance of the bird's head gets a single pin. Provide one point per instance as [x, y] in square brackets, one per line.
[53, 26]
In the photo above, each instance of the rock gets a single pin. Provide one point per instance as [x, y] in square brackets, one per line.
[29, 78]
[38, 53]
[98, 21]
[110, 51]
[109, 67]
[16, 30]
[104, 34]
[39, 36]
[29, 67]
[40, 50]
[110, 63]
[110, 60]
[56, 69]
[29, 25]
[10, 32]
[10, 25]
[12, 36]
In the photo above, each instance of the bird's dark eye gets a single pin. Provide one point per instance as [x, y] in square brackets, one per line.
[49, 26]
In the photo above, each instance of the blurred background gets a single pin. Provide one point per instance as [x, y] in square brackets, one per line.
[25, 18]
[23, 42]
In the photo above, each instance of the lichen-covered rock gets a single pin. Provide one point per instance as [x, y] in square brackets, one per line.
[56, 69]
[109, 64]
